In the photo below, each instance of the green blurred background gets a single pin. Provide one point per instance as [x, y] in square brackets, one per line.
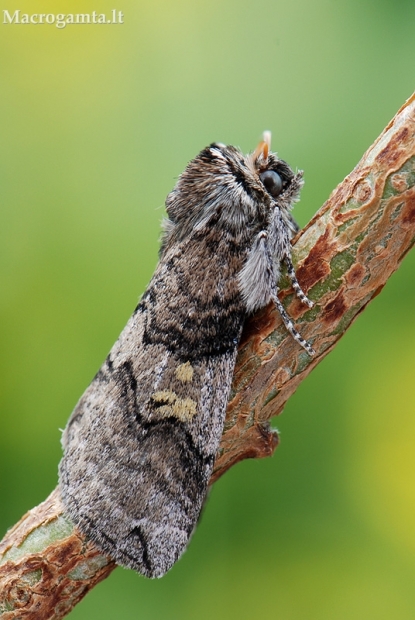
[97, 123]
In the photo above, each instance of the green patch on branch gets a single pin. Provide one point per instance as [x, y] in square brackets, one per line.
[310, 315]
[303, 361]
[401, 180]
[33, 577]
[346, 225]
[276, 337]
[87, 569]
[284, 281]
[339, 265]
[40, 538]
[6, 606]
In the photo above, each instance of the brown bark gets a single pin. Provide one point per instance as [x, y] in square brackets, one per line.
[343, 258]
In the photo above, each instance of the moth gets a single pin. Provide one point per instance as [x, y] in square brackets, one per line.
[140, 445]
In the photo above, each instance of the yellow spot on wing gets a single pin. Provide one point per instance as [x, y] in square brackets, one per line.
[184, 372]
[164, 397]
[184, 409]
[181, 408]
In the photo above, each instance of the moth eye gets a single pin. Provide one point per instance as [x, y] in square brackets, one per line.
[272, 182]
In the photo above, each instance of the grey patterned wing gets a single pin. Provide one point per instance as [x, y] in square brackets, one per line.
[139, 449]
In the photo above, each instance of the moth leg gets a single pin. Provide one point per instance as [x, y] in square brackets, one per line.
[289, 325]
[279, 246]
[295, 284]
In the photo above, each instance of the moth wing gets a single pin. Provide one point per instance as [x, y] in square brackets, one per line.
[140, 447]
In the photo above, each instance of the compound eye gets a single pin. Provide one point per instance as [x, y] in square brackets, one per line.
[272, 182]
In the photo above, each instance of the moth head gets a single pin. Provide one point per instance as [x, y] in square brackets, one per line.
[278, 179]
[224, 189]
[276, 176]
